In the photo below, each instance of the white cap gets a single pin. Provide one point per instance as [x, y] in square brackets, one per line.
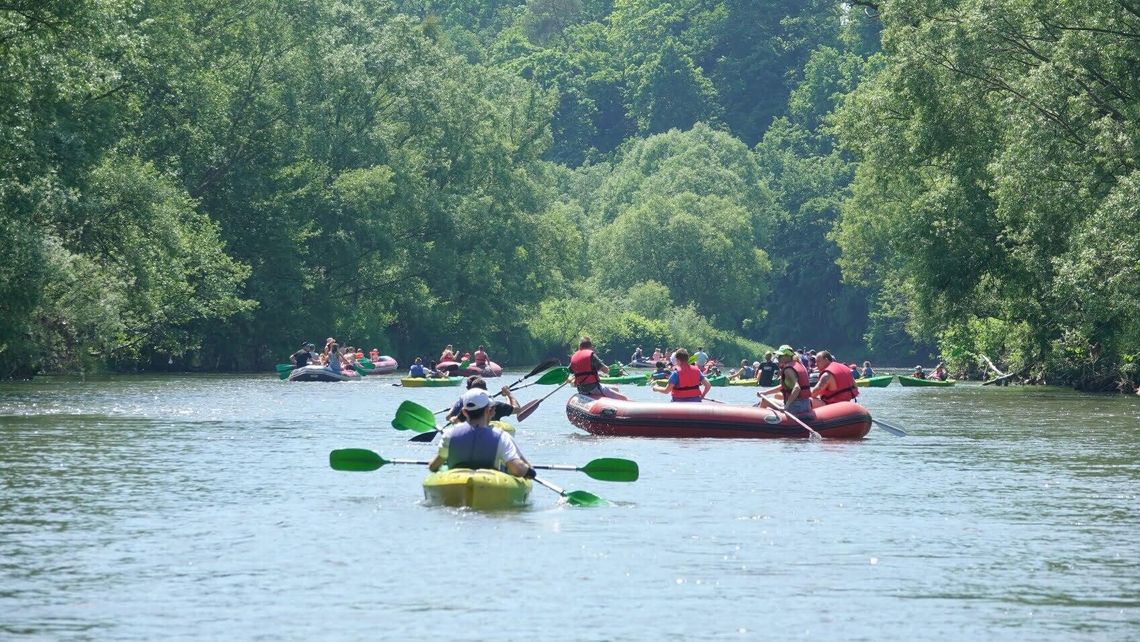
[475, 399]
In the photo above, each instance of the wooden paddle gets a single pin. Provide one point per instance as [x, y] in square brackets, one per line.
[814, 436]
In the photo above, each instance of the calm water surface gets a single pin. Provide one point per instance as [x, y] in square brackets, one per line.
[204, 508]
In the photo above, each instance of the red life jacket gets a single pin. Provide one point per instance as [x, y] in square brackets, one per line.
[845, 389]
[581, 364]
[688, 382]
[801, 376]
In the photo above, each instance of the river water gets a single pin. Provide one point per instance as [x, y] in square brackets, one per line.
[203, 507]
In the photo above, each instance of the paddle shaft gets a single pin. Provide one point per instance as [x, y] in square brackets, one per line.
[814, 434]
[523, 414]
[898, 432]
[537, 369]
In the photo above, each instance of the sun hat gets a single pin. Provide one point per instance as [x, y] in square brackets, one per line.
[475, 399]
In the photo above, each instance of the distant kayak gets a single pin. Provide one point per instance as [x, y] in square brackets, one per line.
[880, 381]
[742, 382]
[637, 379]
[433, 382]
[915, 382]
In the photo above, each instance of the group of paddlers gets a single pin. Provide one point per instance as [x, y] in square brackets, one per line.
[333, 357]
[788, 376]
[449, 361]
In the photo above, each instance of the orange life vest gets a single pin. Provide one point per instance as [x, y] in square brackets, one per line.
[845, 388]
[688, 382]
[581, 364]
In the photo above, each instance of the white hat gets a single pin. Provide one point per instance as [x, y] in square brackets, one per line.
[475, 399]
[755, 364]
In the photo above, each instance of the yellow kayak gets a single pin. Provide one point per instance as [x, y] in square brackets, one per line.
[742, 382]
[482, 489]
[420, 382]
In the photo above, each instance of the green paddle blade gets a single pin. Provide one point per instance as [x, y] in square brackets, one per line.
[412, 416]
[286, 367]
[355, 460]
[582, 498]
[557, 375]
[612, 469]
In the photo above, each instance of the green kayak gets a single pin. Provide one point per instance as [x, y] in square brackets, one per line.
[881, 381]
[718, 381]
[915, 382]
[636, 379]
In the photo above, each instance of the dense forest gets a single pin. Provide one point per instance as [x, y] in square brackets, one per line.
[204, 184]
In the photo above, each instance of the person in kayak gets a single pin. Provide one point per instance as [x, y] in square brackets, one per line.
[745, 371]
[502, 408]
[660, 373]
[766, 371]
[475, 444]
[793, 383]
[302, 357]
[418, 371]
[835, 381]
[687, 383]
[585, 367]
[939, 373]
[867, 372]
[918, 373]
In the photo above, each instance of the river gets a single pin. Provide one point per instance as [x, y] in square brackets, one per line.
[203, 507]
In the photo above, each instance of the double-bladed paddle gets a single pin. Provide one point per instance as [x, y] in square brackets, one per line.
[574, 497]
[609, 469]
[532, 405]
[283, 370]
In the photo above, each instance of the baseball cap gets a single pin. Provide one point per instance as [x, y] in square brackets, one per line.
[475, 399]
[786, 350]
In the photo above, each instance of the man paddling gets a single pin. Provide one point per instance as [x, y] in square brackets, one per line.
[475, 444]
[687, 383]
[793, 383]
[502, 408]
[836, 382]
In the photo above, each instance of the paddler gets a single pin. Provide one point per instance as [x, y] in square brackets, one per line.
[302, 357]
[793, 383]
[584, 368]
[502, 408]
[481, 358]
[835, 380]
[448, 354]
[687, 383]
[745, 371]
[475, 444]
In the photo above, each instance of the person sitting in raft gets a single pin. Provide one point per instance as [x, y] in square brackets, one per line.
[745, 371]
[637, 356]
[418, 371]
[660, 373]
[302, 357]
[854, 370]
[475, 444]
[448, 354]
[374, 355]
[687, 383]
[502, 408]
[658, 355]
[940, 373]
[436, 373]
[866, 372]
[585, 367]
[836, 383]
[793, 383]
[336, 360]
[481, 358]
[918, 373]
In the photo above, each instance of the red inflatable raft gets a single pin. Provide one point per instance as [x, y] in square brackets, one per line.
[492, 369]
[611, 417]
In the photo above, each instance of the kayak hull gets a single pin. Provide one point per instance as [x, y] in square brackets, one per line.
[482, 489]
[636, 379]
[322, 373]
[742, 382]
[616, 418]
[880, 381]
[912, 382]
[420, 382]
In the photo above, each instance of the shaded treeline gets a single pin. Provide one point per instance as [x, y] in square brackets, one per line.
[206, 184]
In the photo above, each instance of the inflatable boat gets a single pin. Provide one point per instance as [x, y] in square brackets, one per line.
[708, 419]
[492, 369]
[383, 365]
[322, 373]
